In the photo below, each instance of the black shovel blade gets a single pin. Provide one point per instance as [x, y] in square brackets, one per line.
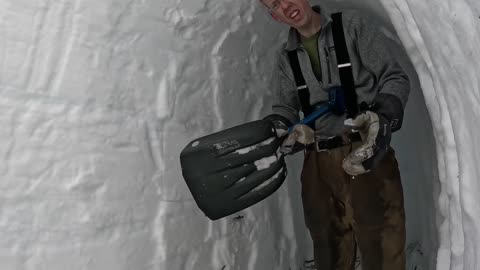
[226, 171]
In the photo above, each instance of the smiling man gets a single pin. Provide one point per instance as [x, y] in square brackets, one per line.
[351, 187]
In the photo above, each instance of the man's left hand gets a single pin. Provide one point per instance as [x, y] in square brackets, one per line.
[376, 135]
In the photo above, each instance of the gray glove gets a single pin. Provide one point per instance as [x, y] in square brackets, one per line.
[376, 135]
[375, 127]
[294, 141]
[300, 136]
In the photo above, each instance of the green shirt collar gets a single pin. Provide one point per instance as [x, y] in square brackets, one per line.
[293, 42]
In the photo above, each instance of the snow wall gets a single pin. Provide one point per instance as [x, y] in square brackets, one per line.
[99, 97]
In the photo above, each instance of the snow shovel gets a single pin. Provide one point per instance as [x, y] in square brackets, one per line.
[233, 169]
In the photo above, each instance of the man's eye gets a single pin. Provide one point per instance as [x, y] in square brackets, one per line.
[274, 5]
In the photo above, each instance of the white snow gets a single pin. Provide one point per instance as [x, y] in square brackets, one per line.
[265, 163]
[247, 150]
[241, 180]
[98, 98]
[269, 181]
[443, 46]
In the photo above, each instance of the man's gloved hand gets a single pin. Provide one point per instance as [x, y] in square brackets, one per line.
[376, 134]
[300, 136]
[375, 126]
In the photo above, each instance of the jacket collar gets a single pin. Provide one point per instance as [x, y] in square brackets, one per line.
[293, 42]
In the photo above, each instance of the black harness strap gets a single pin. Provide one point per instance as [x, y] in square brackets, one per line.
[344, 66]
[302, 87]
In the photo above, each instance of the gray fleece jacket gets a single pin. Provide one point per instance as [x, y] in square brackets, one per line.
[374, 70]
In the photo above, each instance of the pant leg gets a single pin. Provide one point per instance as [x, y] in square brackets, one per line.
[328, 215]
[317, 200]
[377, 201]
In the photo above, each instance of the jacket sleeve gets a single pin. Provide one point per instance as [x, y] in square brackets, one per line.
[282, 84]
[376, 51]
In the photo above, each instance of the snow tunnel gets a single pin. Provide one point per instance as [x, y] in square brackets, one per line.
[98, 98]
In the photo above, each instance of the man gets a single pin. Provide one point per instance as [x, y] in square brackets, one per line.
[351, 188]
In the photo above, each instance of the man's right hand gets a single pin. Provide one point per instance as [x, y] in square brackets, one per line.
[297, 140]
[294, 141]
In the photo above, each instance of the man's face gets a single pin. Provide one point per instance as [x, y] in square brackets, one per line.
[295, 13]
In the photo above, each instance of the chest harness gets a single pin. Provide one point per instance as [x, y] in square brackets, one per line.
[344, 67]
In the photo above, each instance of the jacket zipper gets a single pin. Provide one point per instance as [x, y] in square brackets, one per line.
[328, 65]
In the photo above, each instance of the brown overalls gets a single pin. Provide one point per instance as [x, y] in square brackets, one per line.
[341, 211]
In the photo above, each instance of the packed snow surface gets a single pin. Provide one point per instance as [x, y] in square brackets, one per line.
[98, 98]
[442, 40]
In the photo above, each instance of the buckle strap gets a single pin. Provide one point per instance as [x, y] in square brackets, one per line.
[334, 142]
[328, 144]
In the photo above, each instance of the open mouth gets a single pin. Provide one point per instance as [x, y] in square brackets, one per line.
[294, 14]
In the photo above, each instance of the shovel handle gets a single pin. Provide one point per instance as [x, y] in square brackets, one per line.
[320, 111]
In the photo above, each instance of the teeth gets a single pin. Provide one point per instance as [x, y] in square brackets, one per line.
[293, 14]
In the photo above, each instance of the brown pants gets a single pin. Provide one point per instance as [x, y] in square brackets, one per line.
[341, 212]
